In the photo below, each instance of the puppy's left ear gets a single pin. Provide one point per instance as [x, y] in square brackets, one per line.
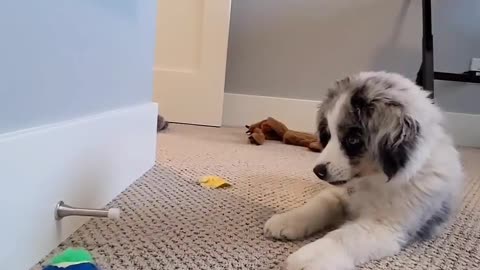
[396, 147]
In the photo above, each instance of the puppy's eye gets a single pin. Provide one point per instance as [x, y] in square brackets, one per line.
[353, 140]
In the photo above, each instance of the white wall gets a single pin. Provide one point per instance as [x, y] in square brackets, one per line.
[76, 118]
[65, 59]
[295, 49]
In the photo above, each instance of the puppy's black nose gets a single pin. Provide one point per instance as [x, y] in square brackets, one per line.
[321, 171]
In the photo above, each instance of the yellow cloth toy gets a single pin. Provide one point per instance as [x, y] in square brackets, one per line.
[212, 181]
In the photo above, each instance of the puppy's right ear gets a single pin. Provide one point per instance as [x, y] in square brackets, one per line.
[395, 148]
[343, 82]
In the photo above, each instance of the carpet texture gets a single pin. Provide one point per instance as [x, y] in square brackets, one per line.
[170, 222]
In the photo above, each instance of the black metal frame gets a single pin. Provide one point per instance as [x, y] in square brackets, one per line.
[426, 74]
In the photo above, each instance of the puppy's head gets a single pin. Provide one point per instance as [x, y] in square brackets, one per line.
[370, 123]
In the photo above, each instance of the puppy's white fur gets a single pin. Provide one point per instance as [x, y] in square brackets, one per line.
[379, 217]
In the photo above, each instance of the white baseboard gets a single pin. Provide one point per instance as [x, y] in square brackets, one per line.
[464, 128]
[297, 114]
[85, 162]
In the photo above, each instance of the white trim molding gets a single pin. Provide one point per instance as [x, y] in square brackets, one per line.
[299, 114]
[86, 162]
[464, 128]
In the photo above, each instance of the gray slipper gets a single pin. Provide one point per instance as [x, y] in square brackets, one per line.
[161, 123]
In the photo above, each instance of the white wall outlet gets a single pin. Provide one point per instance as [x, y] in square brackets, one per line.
[475, 64]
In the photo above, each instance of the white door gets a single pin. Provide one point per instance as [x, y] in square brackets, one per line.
[190, 60]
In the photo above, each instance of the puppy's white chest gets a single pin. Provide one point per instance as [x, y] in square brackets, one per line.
[366, 197]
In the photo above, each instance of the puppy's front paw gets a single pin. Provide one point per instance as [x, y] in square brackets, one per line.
[285, 226]
[319, 256]
[300, 260]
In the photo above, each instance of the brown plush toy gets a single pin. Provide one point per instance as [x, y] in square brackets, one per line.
[272, 129]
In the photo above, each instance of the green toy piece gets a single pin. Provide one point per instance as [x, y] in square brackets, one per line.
[72, 257]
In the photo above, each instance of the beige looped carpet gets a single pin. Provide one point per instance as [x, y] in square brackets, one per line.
[170, 222]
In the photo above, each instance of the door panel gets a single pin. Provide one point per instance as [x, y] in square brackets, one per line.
[190, 60]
